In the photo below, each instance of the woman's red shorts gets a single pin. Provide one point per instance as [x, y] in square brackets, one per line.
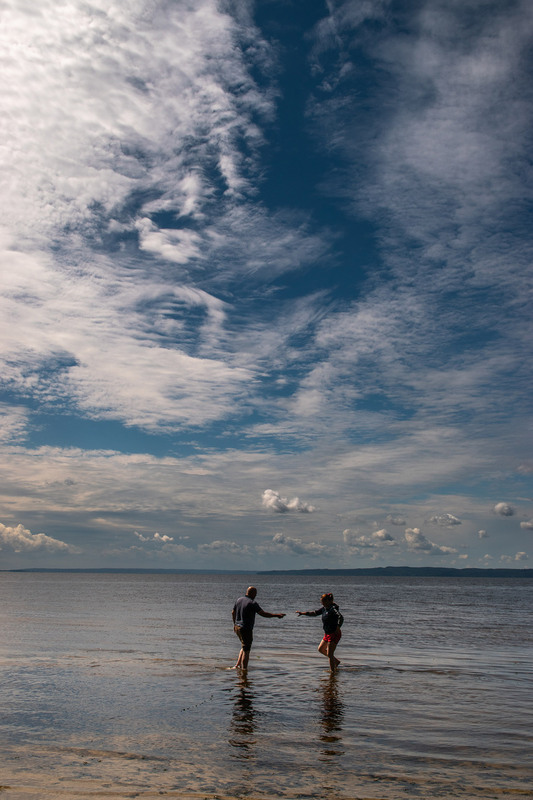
[333, 637]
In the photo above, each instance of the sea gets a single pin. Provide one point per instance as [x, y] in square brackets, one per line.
[121, 686]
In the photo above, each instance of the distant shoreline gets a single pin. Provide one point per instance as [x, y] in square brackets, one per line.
[399, 572]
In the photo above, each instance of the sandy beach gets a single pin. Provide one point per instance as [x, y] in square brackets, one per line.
[46, 773]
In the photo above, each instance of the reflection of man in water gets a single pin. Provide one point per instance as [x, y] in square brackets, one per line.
[243, 720]
[243, 615]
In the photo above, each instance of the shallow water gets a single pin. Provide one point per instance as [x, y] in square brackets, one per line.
[118, 686]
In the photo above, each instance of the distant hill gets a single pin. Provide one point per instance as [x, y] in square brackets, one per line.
[419, 572]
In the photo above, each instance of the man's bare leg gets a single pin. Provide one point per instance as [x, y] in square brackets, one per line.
[242, 661]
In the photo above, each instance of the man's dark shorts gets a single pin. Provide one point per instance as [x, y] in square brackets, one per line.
[246, 636]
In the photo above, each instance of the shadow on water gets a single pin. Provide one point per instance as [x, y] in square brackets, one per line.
[331, 717]
[243, 720]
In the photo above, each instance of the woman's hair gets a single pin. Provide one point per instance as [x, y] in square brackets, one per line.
[327, 596]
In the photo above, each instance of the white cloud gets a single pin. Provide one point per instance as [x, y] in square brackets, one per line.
[417, 542]
[21, 540]
[395, 520]
[445, 520]
[293, 545]
[114, 114]
[357, 541]
[384, 537]
[157, 537]
[528, 525]
[164, 538]
[504, 510]
[521, 556]
[13, 423]
[483, 534]
[221, 546]
[273, 501]
[98, 98]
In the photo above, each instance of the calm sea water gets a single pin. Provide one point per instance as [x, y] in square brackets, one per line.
[118, 686]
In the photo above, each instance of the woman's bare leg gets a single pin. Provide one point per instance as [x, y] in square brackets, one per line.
[333, 662]
[328, 649]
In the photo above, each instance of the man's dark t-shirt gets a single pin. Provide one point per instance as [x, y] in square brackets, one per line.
[245, 610]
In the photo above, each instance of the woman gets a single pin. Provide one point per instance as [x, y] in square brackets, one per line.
[332, 620]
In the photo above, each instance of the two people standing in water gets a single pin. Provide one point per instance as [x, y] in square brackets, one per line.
[245, 609]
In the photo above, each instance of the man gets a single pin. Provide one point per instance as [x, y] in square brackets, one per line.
[243, 616]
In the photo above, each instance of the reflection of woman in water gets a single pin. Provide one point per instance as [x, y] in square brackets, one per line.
[331, 718]
[332, 620]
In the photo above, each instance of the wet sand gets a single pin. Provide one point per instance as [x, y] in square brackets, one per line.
[37, 771]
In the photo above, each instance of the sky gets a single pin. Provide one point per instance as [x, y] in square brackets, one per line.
[266, 284]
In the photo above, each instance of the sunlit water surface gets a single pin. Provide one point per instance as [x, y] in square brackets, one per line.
[117, 685]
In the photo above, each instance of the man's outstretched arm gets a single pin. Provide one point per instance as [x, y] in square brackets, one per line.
[268, 614]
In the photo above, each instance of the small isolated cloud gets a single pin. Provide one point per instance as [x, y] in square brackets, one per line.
[528, 525]
[155, 538]
[354, 539]
[483, 534]
[384, 537]
[281, 505]
[164, 538]
[445, 520]
[350, 537]
[504, 509]
[395, 520]
[526, 468]
[224, 546]
[290, 544]
[21, 540]
[417, 542]
[517, 557]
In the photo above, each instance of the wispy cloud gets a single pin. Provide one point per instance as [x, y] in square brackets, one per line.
[365, 335]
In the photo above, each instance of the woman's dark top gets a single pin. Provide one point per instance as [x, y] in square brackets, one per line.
[331, 617]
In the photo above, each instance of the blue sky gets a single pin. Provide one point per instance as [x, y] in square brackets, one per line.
[266, 288]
